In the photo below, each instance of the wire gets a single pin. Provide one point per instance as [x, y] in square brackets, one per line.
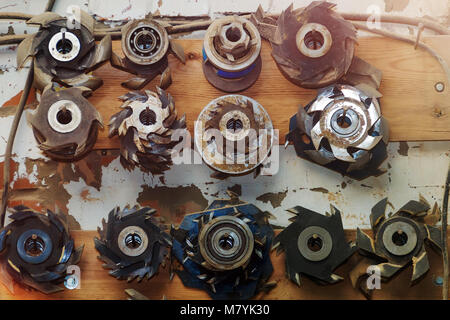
[444, 236]
[13, 131]
[422, 45]
[10, 143]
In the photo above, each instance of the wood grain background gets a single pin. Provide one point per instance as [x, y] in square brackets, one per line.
[414, 109]
[96, 284]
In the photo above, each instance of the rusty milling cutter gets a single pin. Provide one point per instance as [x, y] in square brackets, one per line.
[314, 46]
[64, 51]
[343, 130]
[399, 240]
[315, 245]
[65, 124]
[231, 54]
[132, 243]
[234, 134]
[145, 126]
[225, 250]
[36, 250]
[146, 45]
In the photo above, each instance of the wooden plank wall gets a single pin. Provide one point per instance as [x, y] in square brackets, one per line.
[410, 103]
[97, 284]
[414, 109]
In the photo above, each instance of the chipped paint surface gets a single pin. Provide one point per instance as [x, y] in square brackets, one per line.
[90, 188]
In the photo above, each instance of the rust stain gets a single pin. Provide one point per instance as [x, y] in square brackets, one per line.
[320, 189]
[86, 195]
[395, 5]
[14, 101]
[403, 148]
[237, 188]
[173, 203]
[275, 199]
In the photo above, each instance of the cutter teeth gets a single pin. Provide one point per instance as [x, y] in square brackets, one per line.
[234, 278]
[395, 255]
[59, 124]
[36, 231]
[342, 154]
[50, 65]
[139, 235]
[343, 130]
[145, 128]
[314, 229]
[149, 65]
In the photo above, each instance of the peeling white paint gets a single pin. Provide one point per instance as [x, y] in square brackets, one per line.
[298, 176]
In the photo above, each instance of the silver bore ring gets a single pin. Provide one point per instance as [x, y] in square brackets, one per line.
[317, 33]
[140, 241]
[64, 50]
[319, 234]
[405, 233]
[72, 116]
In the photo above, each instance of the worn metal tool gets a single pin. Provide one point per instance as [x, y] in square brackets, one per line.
[234, 134]
[225, 249]
[132, 243]
[231, 54]
[399, 240]
[65, 124]
[146, 45]
[314, 46]
[315, 245]
[64, 51]
[343, 130]
[36, 249]
[145, 127]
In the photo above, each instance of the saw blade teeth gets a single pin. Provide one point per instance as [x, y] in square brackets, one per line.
[189, 243]
[236, 283]
[297, 279]
[203, 276]
[50, 270]
[342, 153]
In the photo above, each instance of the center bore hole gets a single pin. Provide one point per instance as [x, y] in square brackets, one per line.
[344, 121]
[64, 46]
[314, 40]
[233, 34]
[133, 241]
[315, 243]
[34, 246]
[226, 242]
[399, 238]
[147, 117]
[234, 125]
[144, 42]
[64, 116]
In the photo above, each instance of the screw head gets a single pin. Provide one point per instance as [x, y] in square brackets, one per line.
[439, 86]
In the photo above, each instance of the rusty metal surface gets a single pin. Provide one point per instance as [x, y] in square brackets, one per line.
[314, 46]
[65, 124]
[145, 127]
[231, 54]
[63, 54]
[234, 134]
